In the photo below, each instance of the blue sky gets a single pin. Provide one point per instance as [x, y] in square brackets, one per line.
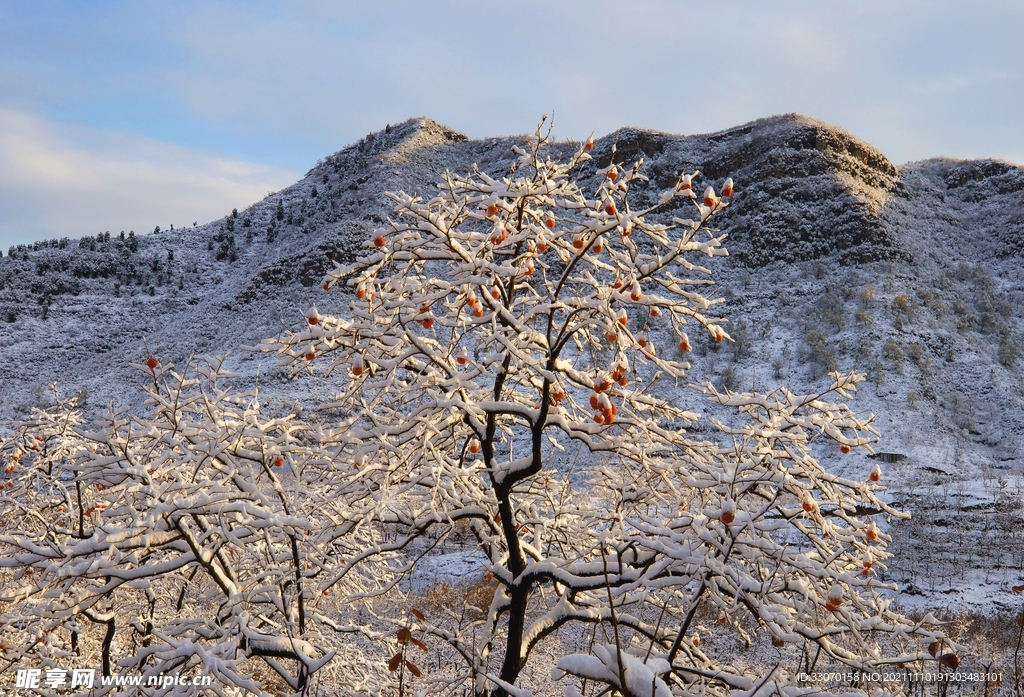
[127, 115]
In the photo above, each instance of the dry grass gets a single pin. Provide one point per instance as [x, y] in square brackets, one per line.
[469, 600]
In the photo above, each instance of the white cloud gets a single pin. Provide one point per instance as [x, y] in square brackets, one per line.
[58, 180]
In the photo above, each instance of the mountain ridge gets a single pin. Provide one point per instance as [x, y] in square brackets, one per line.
[806, 192]
[838, 259]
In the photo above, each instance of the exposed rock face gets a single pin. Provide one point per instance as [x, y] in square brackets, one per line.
[810, 190]
[818, 192]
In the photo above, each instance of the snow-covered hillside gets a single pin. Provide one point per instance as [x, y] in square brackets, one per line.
[838, 259]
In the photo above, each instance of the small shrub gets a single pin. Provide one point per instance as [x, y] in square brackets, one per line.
[865, 348]
[916, 352]
[892, 352]
[931, 299]
[742, 343]
[988, 322]
[822, 354]
[904, 307]
[1009, 352]
[730, 380]
[830, 310]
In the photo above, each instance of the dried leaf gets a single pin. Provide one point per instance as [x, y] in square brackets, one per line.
[404, 635]
[419, 643]
[949, 660]
[413, 669]
[417, 614]
[395, 661]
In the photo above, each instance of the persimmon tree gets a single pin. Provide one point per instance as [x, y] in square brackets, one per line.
[513, 368]
[513, 362]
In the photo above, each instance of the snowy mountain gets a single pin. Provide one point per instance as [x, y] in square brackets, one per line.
[838, 258]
